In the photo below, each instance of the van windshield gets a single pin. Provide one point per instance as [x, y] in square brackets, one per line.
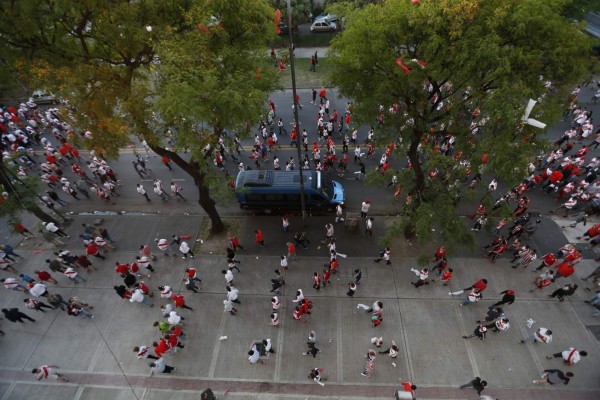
[327, 187]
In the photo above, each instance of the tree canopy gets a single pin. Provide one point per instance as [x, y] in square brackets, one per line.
[463, 69]
[101, 55]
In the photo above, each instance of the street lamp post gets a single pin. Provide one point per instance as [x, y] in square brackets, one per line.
[295, 103]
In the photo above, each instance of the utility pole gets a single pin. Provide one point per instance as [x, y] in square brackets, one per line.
[295, 103]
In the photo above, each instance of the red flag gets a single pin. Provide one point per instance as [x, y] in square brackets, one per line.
[403, 66]
[204, 28]
[277, 21]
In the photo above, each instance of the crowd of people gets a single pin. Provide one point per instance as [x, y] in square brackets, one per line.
[573, 178]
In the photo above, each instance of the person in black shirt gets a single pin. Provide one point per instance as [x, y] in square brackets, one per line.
[476, 384]
[554, 376]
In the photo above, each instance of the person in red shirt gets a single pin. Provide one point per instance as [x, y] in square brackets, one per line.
[258, 236]
[297, 313]
[234, 244]
[161, 347]
[173, 341]
[590, 233]
[45, 276]
[165, 160]
[20, 228]
[409, 387]
[85, 263]
[51, 159]
[326, 276]
[497, 251]
[92, 250]
[193, 275]
[547, 261]
[480, 285]
[323, 94]
[122, 269]
[75, 154]
[291, 251]
[564, 270]
[180, 302]
[440, 253]
[446, 276]
[574, 257]
[333, 266]
[144, 288]
[305, 306]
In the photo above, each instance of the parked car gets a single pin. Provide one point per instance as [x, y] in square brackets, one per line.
[323, 26]
[43, 97]
[326, 18]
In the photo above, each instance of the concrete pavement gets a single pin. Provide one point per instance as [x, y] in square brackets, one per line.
[426, 323]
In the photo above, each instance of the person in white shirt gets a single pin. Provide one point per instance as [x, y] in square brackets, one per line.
[138, 296]
[174, 319]
[228, 277]
[228, 307]
[571, 356]
[13, 284]
[163, 245]
[48, 372]
[51, 227]
[392, 351]
[165, 292]
[254, 356]
[176, 191]
[232, 294]
[369, 227]
[73, 276]
[339, 213]
[543, 335]
[39, 289]
[364, 208]
[185, 250]
[299, 297]
[160, 367]
[275, 303]
[142, 192]
[143, 352]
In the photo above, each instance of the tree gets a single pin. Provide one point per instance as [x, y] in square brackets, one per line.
[300, 11]
[101, 54]
[577, 9]
[213, 74]
[463, 68]
[18, 194]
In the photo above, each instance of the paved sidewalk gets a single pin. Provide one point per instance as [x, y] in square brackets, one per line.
[426, 323]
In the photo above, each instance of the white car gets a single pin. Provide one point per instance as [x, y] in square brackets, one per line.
[43, 97]
[326, 18]
[323, 26]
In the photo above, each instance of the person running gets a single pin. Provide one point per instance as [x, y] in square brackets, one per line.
[570, 357]
[48, 372]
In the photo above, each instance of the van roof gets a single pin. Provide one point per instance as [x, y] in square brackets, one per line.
[262, 178]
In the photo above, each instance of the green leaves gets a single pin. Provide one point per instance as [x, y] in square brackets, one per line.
[464, 68]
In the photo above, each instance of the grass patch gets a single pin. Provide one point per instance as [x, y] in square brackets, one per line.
[216, 243]
[321, 39]
[305, 79]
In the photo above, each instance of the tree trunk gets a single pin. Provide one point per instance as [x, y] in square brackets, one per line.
[413, 156]
[41, 214]
[192, 168]
[26, 204]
